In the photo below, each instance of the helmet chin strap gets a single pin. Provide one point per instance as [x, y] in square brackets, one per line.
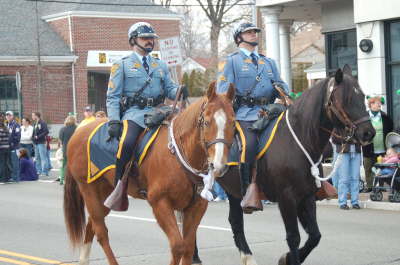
[148, 50]
[254, 44]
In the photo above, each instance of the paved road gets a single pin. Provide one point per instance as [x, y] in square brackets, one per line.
[32, 224]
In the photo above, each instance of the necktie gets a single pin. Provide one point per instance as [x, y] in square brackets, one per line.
[254, 59]
[145, 65]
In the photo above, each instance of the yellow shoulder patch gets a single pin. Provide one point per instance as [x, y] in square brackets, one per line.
[111, 85]
[222, 78]
[221, 66]
[114, 68]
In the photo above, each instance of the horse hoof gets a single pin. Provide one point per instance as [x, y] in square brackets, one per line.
[282, 260]
[196, 261]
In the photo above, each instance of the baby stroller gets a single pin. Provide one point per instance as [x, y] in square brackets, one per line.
[387, 182]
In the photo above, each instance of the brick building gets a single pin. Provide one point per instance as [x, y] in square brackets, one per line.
[77, 44]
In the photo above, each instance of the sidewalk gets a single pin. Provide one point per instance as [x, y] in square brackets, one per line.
[365, 202]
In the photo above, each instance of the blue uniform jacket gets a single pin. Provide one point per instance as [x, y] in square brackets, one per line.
[128, 76]
[239, 69]
[15, 134]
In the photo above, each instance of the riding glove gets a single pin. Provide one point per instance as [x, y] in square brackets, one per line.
[114, 129]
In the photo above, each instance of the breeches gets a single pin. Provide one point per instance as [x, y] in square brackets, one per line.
[128, 146]
[249, 143]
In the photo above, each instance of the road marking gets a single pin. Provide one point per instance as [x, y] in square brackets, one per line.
[28, 257]
[152, 220]
[13, 261]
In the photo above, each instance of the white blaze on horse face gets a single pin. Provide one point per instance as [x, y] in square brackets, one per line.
[220, 119]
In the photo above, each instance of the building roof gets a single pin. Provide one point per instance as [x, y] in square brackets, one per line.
[18, 34]
[124, 6]
[205, 62]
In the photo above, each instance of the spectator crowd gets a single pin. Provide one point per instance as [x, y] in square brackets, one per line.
[25, 147]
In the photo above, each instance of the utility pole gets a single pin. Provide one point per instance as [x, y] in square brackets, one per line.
[39, 62]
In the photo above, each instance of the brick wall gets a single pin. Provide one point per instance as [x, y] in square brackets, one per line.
[102, 34]
[56, 91]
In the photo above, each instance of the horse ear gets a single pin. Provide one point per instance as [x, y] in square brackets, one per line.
[339, 76]
[231, 92]
[347, 70]
[211, 90]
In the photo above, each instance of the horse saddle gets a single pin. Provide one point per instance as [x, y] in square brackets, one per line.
[266, 135]
[102, 154]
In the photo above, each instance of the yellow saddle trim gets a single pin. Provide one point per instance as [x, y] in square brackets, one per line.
[89, 166]
[262, 152]
[148, 144]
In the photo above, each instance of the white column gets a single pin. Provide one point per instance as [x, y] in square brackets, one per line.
[271, 16]
[371, 66]
[284, 41]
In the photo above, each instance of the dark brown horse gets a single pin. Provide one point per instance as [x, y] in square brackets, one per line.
[284, 173]
[203, 133]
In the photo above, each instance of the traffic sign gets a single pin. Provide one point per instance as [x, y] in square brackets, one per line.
[171, 51]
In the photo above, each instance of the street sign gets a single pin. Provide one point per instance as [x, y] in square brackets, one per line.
[171, 51]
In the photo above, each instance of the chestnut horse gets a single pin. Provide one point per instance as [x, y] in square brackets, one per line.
[203, 133]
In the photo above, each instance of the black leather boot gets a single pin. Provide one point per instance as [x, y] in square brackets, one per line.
[245, 175]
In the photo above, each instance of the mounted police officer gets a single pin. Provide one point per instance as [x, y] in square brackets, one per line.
[137, 83]
[254, 76]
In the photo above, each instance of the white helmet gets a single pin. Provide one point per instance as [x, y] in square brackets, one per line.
[142, 30]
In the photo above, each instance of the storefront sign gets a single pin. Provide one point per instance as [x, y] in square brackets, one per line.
[107, 58]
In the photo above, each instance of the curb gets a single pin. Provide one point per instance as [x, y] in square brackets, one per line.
[387, 206]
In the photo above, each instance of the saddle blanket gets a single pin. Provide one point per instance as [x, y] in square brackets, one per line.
[236, 154]
[102, 153]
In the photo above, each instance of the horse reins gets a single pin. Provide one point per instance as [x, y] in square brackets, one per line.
[335, 108]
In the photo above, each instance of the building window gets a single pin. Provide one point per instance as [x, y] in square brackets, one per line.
[8, 94]
[392, 38]
[341, 50]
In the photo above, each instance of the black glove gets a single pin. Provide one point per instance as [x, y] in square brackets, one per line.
[114, 129]
[185, 92]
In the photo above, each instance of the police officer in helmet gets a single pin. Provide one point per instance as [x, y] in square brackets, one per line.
[138, 83]
[254, 76]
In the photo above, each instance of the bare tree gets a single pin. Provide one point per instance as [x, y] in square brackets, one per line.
[216, 12]
[193, 41]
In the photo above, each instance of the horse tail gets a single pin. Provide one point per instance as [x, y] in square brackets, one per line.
[74, 210]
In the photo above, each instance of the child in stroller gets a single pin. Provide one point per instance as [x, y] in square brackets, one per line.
[387, 172]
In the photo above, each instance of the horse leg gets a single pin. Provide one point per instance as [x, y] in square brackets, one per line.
[87, 244]
[166, 219]
[288, 209]
[97, 213]
[308, 219]
[236, 221]
[191, 220]
[196, 258]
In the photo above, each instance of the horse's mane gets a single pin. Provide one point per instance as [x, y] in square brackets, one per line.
[187, 120]
[306, 111]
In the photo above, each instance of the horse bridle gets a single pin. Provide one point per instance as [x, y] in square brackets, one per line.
[335, 108]
[201, 123]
